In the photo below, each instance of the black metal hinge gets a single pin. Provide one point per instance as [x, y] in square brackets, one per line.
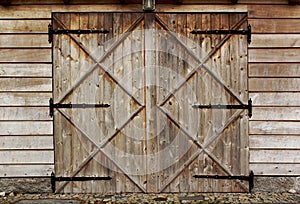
[226, 32]
[249, 178]
[51, 32]
[76, 105]
[53, 179]
[243, 106]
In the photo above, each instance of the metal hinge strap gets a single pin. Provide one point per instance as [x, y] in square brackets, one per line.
[243, 106]
[51, 32]
[226, 32]
[76, 105]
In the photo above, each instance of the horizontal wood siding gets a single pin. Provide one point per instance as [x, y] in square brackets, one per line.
[274, 84]
[26, 82]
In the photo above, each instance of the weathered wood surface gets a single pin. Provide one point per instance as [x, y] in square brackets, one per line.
[27, 157]
[26, 70]
[25, 55]
[275, 169]
[278, 113]
[274, 84]
[273, 11]
[275, 99]
[26, 84]
[275, 156]
[275, 26]
[24, 99]
[24, 26]
[274, 142]
[26, 142]
[273, 127]
[274, 55]
[275, 41]
[290, 70]
[24, 40]
[24, 113]
[26, 128]
[26, 170]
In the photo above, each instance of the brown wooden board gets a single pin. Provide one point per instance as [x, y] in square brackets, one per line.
[151, 71]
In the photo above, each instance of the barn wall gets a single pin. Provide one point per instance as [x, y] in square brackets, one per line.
[26, 142]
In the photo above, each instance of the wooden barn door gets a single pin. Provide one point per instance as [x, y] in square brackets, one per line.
[132, 102]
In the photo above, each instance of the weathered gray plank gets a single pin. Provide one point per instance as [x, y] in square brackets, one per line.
[25, 70]
[26, 128]
[26, 84]
[274, 70]
[275, 99]
[27, 157]
[278, 113]
[26, 142]
[275, 40]
[274, 141]
[278, 156]
[25, 55]
[24, 113]
[26, 170]
[274, 55]
[274, 84]
[270, 128]
[18, 41]
[275, 169]
[24, 26]
[25, 99]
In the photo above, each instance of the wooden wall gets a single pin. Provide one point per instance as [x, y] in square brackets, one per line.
[26, 143]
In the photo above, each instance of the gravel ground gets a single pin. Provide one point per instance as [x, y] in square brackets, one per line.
[258, 197]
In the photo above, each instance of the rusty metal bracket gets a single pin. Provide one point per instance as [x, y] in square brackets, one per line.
[76, 105]
[51, 32]
[226, 32]
[243, 106]
[249, 178]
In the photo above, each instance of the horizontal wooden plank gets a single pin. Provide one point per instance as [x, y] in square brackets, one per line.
[25, 99]
[275, 99]
[26, 84]
[25, 55]
[32, 40]
[274, 55]
[275, 25]
[27, 157]
[27, 170]
[272, 127]
[26, 142]
[24, 113]
[270, 156]
[26, 128]
[274, 70]
[275, 169]
[274, 84]
[275, 40]
[273, 11]
[274, 141]
[276, 113]
[24, 26]
[37, 11]
[25, 70]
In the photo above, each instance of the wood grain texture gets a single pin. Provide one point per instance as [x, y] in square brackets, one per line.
[26, 142]
[274, 84]
[275, 41]
[275, 99]
[24, 113]
[25, 70]
[274, 55]
[27, 170]
[279, 26]
[275, 156]
[273, 11]
[272, 127]
[275, 169]
[27, 157]
[25, 40]
[25, 99]
[26, 128]
[24, 26]
[274, 70]
[278, 113]
[25, 55]
[274, 142]
[26, 84]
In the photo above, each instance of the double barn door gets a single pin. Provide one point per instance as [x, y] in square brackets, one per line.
[133, 102]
